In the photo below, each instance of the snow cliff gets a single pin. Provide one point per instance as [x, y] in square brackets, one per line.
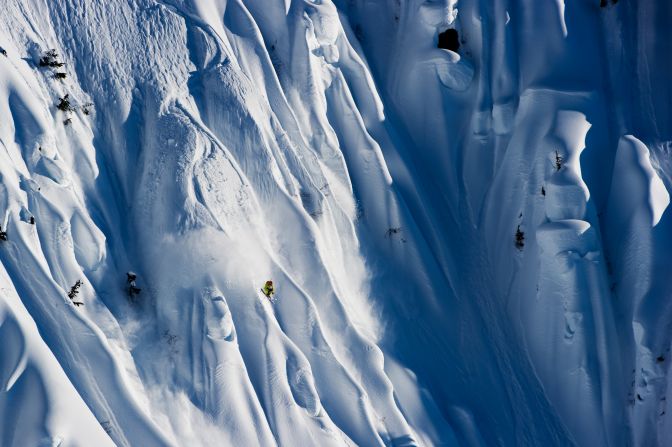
[469, 247]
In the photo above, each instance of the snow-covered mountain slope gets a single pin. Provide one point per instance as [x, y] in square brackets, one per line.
[469, 247]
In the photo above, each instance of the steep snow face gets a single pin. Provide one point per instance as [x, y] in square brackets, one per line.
[468, 248]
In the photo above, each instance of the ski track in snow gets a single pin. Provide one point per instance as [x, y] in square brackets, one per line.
[380, 182]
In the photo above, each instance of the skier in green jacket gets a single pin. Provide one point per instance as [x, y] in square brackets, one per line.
[268, 289]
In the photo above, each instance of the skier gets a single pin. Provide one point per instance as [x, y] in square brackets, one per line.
[268, 289]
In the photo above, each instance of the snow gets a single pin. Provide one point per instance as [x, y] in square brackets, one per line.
[38, 403]
[636, 184]
[378, 180]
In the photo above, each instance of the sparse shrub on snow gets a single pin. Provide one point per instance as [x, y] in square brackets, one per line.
[394, 232]
[74, 291]
[520, 238]
[558, 161]
[171, 340]
[133, 289]
[86, 108]
[64, 104]
[51, 59]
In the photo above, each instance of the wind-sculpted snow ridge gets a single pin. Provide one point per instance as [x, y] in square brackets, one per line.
[468, 247]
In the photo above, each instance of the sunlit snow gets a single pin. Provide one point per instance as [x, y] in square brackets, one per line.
[467, 247]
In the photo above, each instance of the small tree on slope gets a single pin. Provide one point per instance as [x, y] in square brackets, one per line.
[520, 238]
[74, 291]
[64, 104]
[51, 59]
[133, 289]
[558, 161]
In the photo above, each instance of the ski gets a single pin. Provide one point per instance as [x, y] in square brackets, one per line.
[269, 298]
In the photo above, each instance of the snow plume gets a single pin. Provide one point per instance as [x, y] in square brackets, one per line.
[468, 235]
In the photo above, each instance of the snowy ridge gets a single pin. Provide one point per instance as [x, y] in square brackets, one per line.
[469, 247]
